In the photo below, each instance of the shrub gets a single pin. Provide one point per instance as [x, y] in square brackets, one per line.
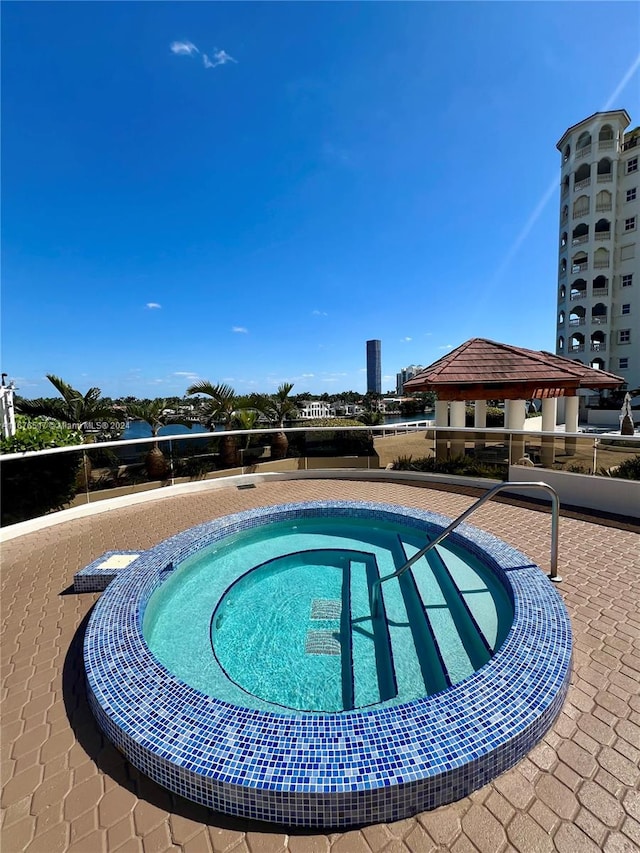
[465, 465]
[495, 416]
[36, 485]
[627, 470]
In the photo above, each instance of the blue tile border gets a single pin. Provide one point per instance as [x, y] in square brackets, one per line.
[331, 770]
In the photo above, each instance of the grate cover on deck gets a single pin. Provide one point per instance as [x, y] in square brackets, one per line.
[326, 608]
[322, 643]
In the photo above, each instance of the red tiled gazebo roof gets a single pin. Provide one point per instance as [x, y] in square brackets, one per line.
[481, 369]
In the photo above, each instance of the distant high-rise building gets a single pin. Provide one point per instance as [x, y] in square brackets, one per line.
[405, 375]
[598, 314]
[374, 367]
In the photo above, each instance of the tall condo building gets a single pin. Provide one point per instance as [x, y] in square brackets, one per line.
[598, 320]
[405, 375]
[374, 367]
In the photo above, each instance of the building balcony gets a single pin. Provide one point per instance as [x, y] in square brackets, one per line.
[583, 152]
[581, 267]
[598, 346]
[577, 321]
[580, 212]
[605, 178]
[599, 320]
[604, 205]
[601, 265]
[578, 240]
[602, 235]
[582, 184]
[577, 294]
[576, 348]
[606, 144]
[600, 291]
[631, 143]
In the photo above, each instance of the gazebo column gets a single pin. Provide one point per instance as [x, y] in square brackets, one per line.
[515, 416]
[571, 409]
[442, 420]
[458, 409]
[480, 421]
[549, 416]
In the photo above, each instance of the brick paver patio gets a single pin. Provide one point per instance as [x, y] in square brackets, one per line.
[65, 788]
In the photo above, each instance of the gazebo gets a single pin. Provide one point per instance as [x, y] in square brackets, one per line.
[482, 370]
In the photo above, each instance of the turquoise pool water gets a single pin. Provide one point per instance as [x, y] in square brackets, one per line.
[279, 617]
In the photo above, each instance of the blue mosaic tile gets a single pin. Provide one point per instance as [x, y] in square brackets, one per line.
[97, 576]
[332, 770]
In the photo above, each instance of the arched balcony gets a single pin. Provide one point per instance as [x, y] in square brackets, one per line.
[576, 342]
[600, 286]
[565, 186]
[598, 342]
[580, 262]
[605, 170]
[581, 206]
[603, 200]
[577, 316]
[566, 154]
[583, 145]
[606, 137]
[582, 177]
[599, 314]
[598, 364]
[561, 343]
[563, 266]
[602, 229]
[562, 292]
[564, 237]
[578, 289]
[564, 216]
[601, 259]
[580, 234]
[561, 318]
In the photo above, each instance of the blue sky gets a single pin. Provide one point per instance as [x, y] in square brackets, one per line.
[287, 182]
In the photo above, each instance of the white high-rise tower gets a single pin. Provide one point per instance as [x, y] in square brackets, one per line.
[598, 321]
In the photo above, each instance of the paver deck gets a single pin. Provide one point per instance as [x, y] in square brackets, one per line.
[65, 788]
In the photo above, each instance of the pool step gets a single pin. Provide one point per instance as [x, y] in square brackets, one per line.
[370, 642]
[406, 652]
[462, 645]
[482, 595]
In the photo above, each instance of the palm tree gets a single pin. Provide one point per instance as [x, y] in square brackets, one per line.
[152, 412]
[83, 411]
[221, 408]
[277, 408]
[371, 418]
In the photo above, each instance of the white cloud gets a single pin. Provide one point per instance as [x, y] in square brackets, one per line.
[404, 340]
[153, 305]
[220, 57]
[317, 313]
[186, 373]
[183, 48]
[446, 346]
[240, 329]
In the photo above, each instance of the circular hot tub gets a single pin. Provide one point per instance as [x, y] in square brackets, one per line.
[280, 694]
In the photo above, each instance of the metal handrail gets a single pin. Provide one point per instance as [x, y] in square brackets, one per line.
[555, 512]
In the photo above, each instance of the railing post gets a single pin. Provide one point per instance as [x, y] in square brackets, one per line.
[171, 471]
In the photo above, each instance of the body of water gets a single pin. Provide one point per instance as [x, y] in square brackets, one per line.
[140, 429]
